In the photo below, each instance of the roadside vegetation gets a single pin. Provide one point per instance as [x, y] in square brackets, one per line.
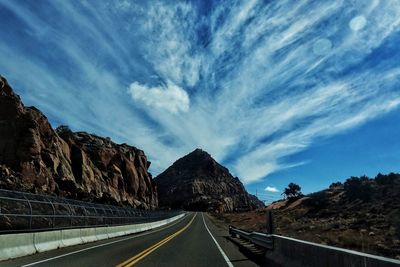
[362, 214]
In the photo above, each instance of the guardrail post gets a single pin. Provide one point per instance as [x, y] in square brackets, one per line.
[54, 213]
[270, 222]
[86, 216]
[231, 232]
[30, 208]
[70, 214]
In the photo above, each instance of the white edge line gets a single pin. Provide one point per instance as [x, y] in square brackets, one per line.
[218, 246]
[102, 245]
[362, 254]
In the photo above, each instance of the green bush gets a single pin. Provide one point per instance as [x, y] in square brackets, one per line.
[389, 179]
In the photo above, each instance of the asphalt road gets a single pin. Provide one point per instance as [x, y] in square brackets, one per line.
[191, 241]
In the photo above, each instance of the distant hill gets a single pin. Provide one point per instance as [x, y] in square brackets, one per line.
[198, 182]
[361, 214]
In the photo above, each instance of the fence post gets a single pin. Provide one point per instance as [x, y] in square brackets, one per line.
[30, 208]
[270, 222]
[70, 214]
[54, 212]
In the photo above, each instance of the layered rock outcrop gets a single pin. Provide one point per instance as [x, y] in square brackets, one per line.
[34, 157]
[198, 182]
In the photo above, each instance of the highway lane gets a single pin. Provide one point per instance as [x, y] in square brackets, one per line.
[192, 248]
[191, 241]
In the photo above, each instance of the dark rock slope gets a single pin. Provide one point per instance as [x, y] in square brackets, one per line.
[198, 182]
[36, 158]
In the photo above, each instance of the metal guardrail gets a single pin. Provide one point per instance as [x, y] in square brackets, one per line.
[259, 239]
[26, 212]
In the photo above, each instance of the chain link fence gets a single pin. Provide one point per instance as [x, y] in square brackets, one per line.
[26, 212]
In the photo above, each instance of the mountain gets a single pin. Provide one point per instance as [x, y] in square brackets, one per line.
[198, 182]
[36, 158]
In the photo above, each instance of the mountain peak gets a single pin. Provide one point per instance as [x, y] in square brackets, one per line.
[198, 182]
[198, 153]
[198, 163]
[199, 150]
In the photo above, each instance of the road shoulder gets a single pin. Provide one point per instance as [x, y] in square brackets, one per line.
[220, 232]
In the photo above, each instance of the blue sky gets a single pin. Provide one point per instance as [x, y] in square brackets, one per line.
[278, 91]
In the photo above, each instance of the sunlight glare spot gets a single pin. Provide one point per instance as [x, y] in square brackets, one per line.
[357, 23]
[322, 47]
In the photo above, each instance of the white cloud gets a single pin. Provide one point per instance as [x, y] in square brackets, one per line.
[170, 97]
[267, 81]
[271, 189]
[169, 47]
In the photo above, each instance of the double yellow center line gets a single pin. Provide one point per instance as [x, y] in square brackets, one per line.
[144, 253]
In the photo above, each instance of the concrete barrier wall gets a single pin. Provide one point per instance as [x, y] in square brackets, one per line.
[70, 237]
[292, 252]
[88, 235]
[102, 233]
[45, 241]
[18, 245]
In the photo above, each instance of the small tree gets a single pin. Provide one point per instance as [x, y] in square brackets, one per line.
[292, 191]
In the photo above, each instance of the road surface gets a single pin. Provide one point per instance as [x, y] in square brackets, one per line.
[191, 241]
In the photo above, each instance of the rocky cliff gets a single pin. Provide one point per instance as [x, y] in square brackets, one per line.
[36, 158]
[198, 182]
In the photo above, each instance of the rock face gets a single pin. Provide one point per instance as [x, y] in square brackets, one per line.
[198, 182]
[36, 158]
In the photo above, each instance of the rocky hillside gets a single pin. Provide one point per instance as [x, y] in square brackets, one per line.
[361, 214]
[36, 158]
[198, 182]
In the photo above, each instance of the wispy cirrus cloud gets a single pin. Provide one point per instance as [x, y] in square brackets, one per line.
[252, 83]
